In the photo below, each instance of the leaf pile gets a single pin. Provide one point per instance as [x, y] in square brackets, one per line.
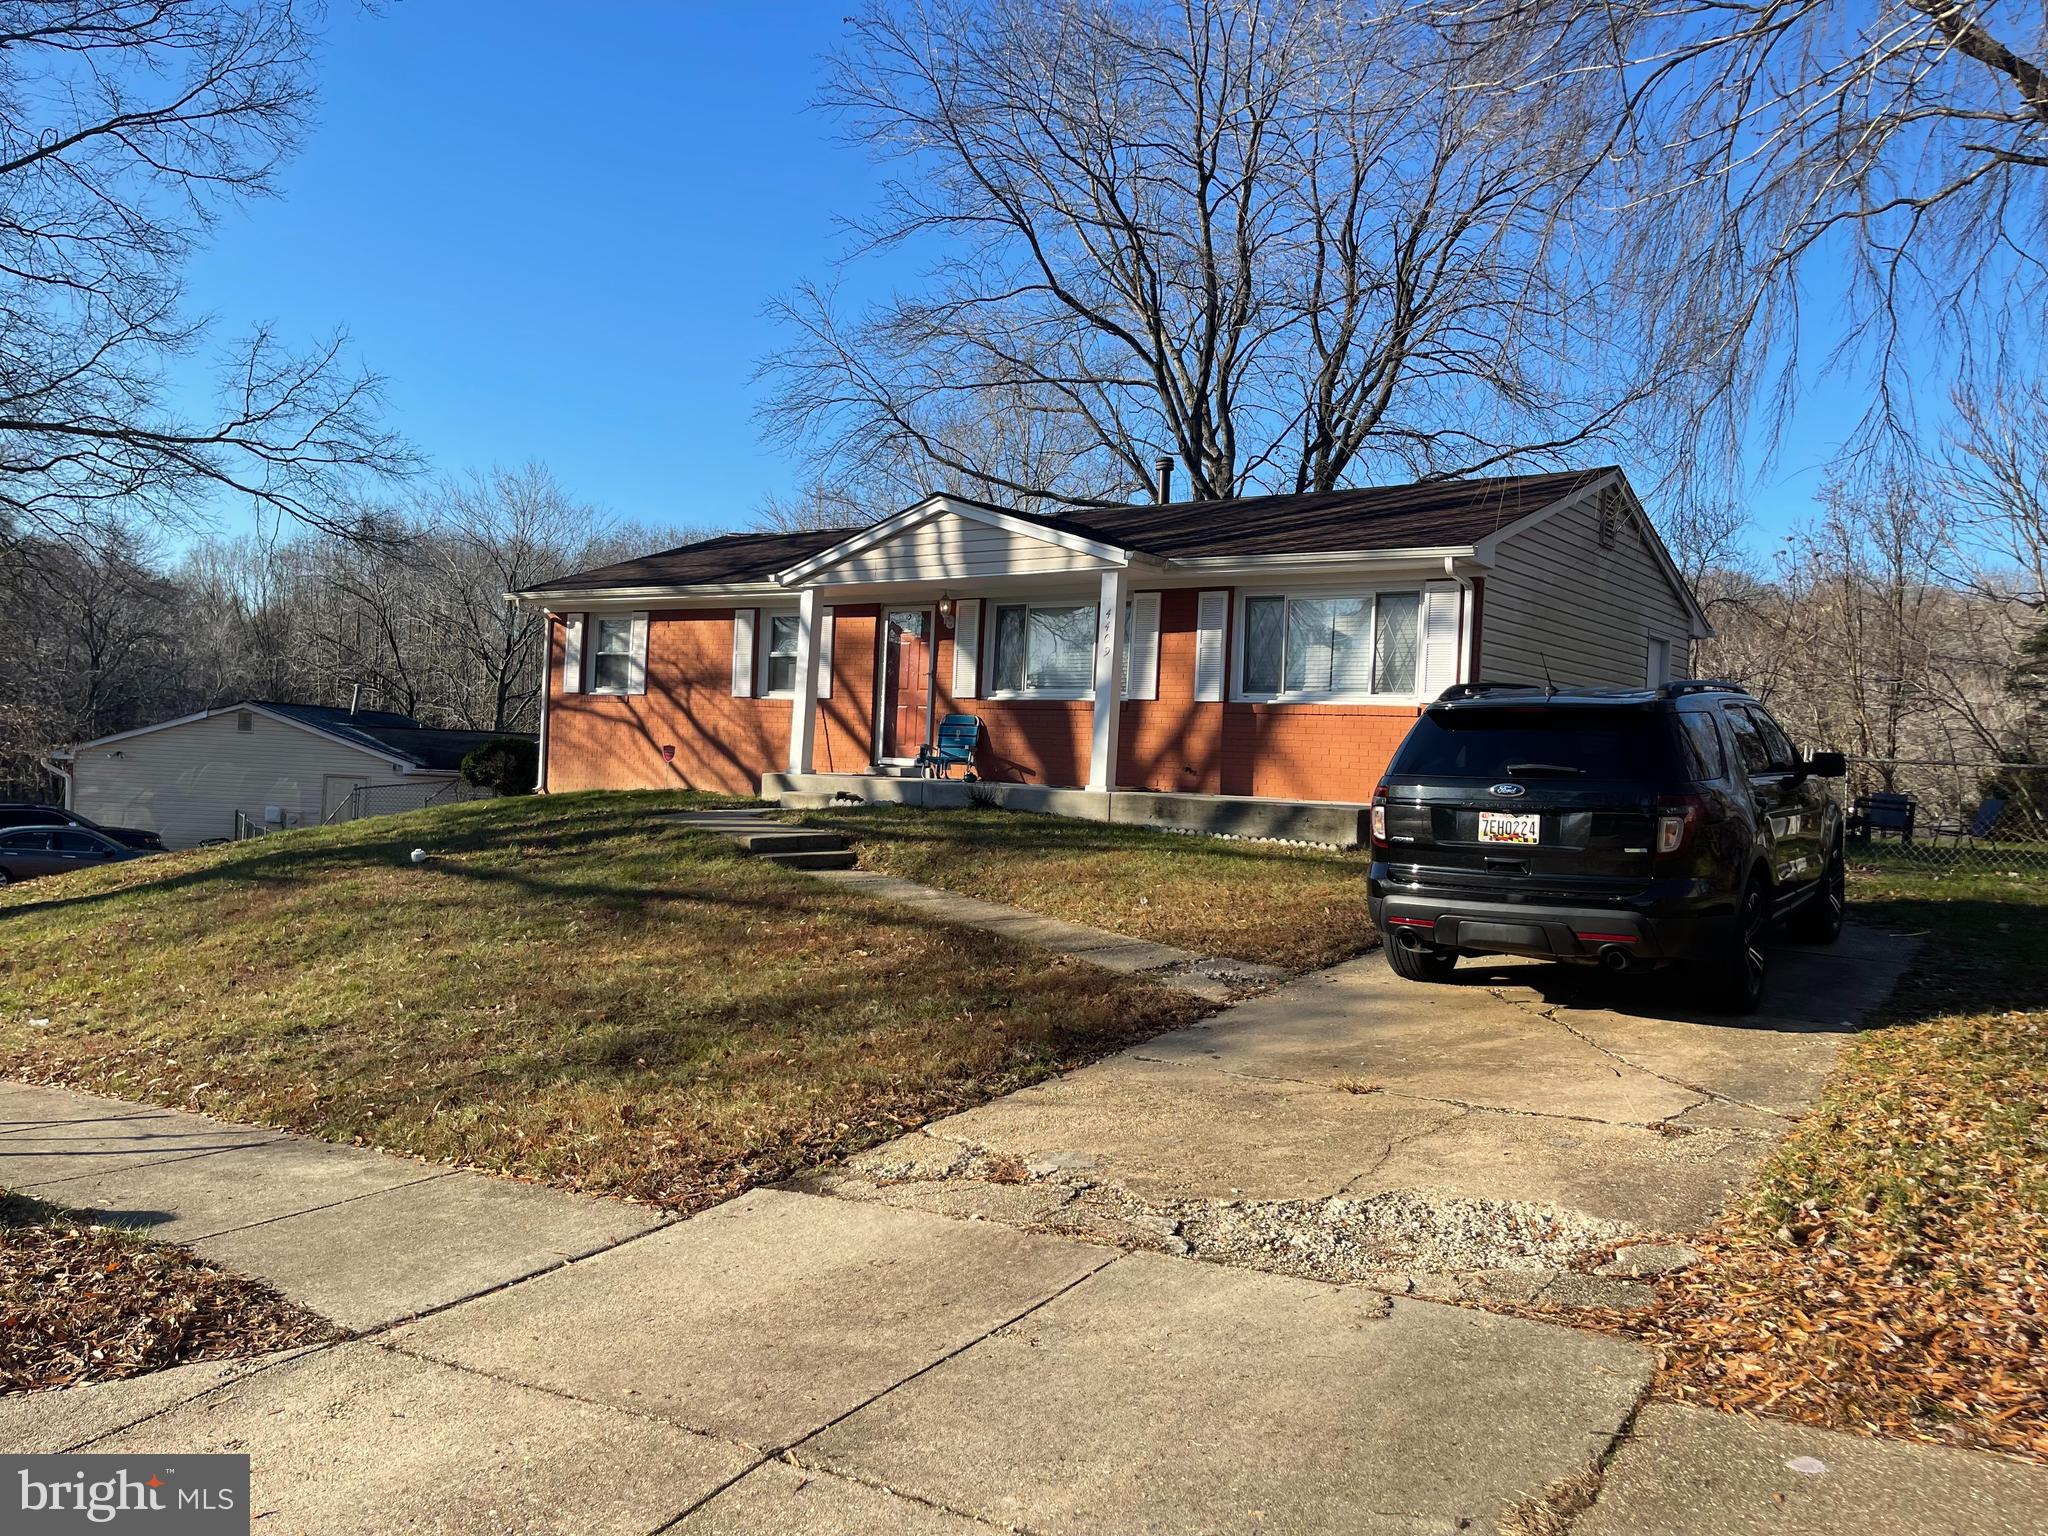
[81, 1303]
[1890, 1273]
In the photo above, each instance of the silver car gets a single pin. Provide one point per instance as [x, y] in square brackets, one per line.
[26, 852]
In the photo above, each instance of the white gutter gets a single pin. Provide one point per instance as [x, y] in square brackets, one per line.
[50, 763]
[1468, 619]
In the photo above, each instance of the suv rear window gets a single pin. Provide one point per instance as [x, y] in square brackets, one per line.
[1530, 741]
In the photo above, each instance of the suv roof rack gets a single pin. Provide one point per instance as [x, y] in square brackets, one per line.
[1481, 689]
[1688, 685]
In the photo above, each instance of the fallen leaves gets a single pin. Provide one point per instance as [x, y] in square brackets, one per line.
[83, 1303]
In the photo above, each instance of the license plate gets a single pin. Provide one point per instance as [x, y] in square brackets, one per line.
[1499, 827]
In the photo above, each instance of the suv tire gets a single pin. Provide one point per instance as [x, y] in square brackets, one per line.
[1425, 962]
[1819, 921]
[1737, 974]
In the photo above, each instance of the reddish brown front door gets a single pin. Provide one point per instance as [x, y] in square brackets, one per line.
[906, 681]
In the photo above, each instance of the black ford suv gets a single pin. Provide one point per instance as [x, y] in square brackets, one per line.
[1628, 828]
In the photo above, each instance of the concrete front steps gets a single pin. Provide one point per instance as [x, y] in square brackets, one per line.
[791, 847]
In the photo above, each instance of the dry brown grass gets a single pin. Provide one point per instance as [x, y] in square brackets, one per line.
[1890, 1274]
[568, 990]
[1266, 902]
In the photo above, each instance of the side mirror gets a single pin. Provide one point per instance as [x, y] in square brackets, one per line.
[1826, 765]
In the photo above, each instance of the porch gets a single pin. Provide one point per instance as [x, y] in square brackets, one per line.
[1333, 823]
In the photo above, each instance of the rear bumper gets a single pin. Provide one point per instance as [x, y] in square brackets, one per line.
[1557, 933]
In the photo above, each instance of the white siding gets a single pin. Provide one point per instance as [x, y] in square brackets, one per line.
[953, 548]
[187, 782]
[1556, 595]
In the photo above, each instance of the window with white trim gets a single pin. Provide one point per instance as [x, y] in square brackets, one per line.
[1329, 647]
[611, 658]
[778, 656]
[1044, 650]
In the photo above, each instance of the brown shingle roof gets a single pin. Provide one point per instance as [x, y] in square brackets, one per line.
[1433, 514]
[732, 557]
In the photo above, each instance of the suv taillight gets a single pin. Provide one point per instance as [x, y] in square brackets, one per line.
[1379, 817]
[1678, 817]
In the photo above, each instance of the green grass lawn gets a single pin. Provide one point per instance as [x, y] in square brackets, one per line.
[1269, 902]
[567, 990]
[1890, 1270]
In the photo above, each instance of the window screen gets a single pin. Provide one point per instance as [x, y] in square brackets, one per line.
[1045, 649]
[611, 664]
[1400, 642]
[781, 668]
[1263, 618]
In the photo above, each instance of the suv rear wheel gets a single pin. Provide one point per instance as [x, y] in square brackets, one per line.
[1737, 973]
[1819, 921]
[1423, 962]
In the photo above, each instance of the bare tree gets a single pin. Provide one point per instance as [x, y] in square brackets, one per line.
[1272, 240]
[1996, 473]
[125, 128]
[1899, 145]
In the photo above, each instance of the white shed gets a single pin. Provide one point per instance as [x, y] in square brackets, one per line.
[277, 765]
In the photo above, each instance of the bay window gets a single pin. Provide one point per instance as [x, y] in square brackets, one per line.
[1328, 647]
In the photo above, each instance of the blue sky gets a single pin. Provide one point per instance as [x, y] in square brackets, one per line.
[555, 231]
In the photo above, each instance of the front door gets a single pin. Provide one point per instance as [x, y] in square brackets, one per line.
[906, 682]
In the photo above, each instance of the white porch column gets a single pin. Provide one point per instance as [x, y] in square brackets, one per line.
[803, 716]
[1109, 676]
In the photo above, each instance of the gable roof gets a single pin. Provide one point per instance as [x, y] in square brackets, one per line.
[1428, 516]
[379, 732]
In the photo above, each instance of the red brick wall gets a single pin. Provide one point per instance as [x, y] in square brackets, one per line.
[1286, 751]
[607, 741]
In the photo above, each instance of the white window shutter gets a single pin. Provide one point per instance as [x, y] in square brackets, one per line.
[966, 648]
[1141, 648]
[823, 641]
[636, 663]
[1212, 611]
[572, 653]
[1439, 639]
[743, 653]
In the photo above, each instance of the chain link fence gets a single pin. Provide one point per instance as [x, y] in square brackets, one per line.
[393, 799]
[1947, 815]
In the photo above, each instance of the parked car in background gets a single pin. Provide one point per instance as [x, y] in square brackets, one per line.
[1631, 828]
[26, 852]
[22, 813]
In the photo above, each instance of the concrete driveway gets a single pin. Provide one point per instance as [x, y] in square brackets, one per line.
[911, 1359]
[1480, 1138]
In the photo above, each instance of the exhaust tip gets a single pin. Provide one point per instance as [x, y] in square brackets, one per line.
[1615, 957]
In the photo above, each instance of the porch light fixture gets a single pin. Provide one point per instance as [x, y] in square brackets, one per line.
[946, 608]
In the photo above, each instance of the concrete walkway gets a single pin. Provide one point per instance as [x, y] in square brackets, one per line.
[362, 1237]
[793, 1361]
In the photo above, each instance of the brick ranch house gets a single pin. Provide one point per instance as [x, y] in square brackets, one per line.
[1271, 646]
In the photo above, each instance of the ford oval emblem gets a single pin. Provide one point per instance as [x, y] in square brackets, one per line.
[1508, 791]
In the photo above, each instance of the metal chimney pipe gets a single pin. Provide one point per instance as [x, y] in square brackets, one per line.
[1165, 468]
[355, 698]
